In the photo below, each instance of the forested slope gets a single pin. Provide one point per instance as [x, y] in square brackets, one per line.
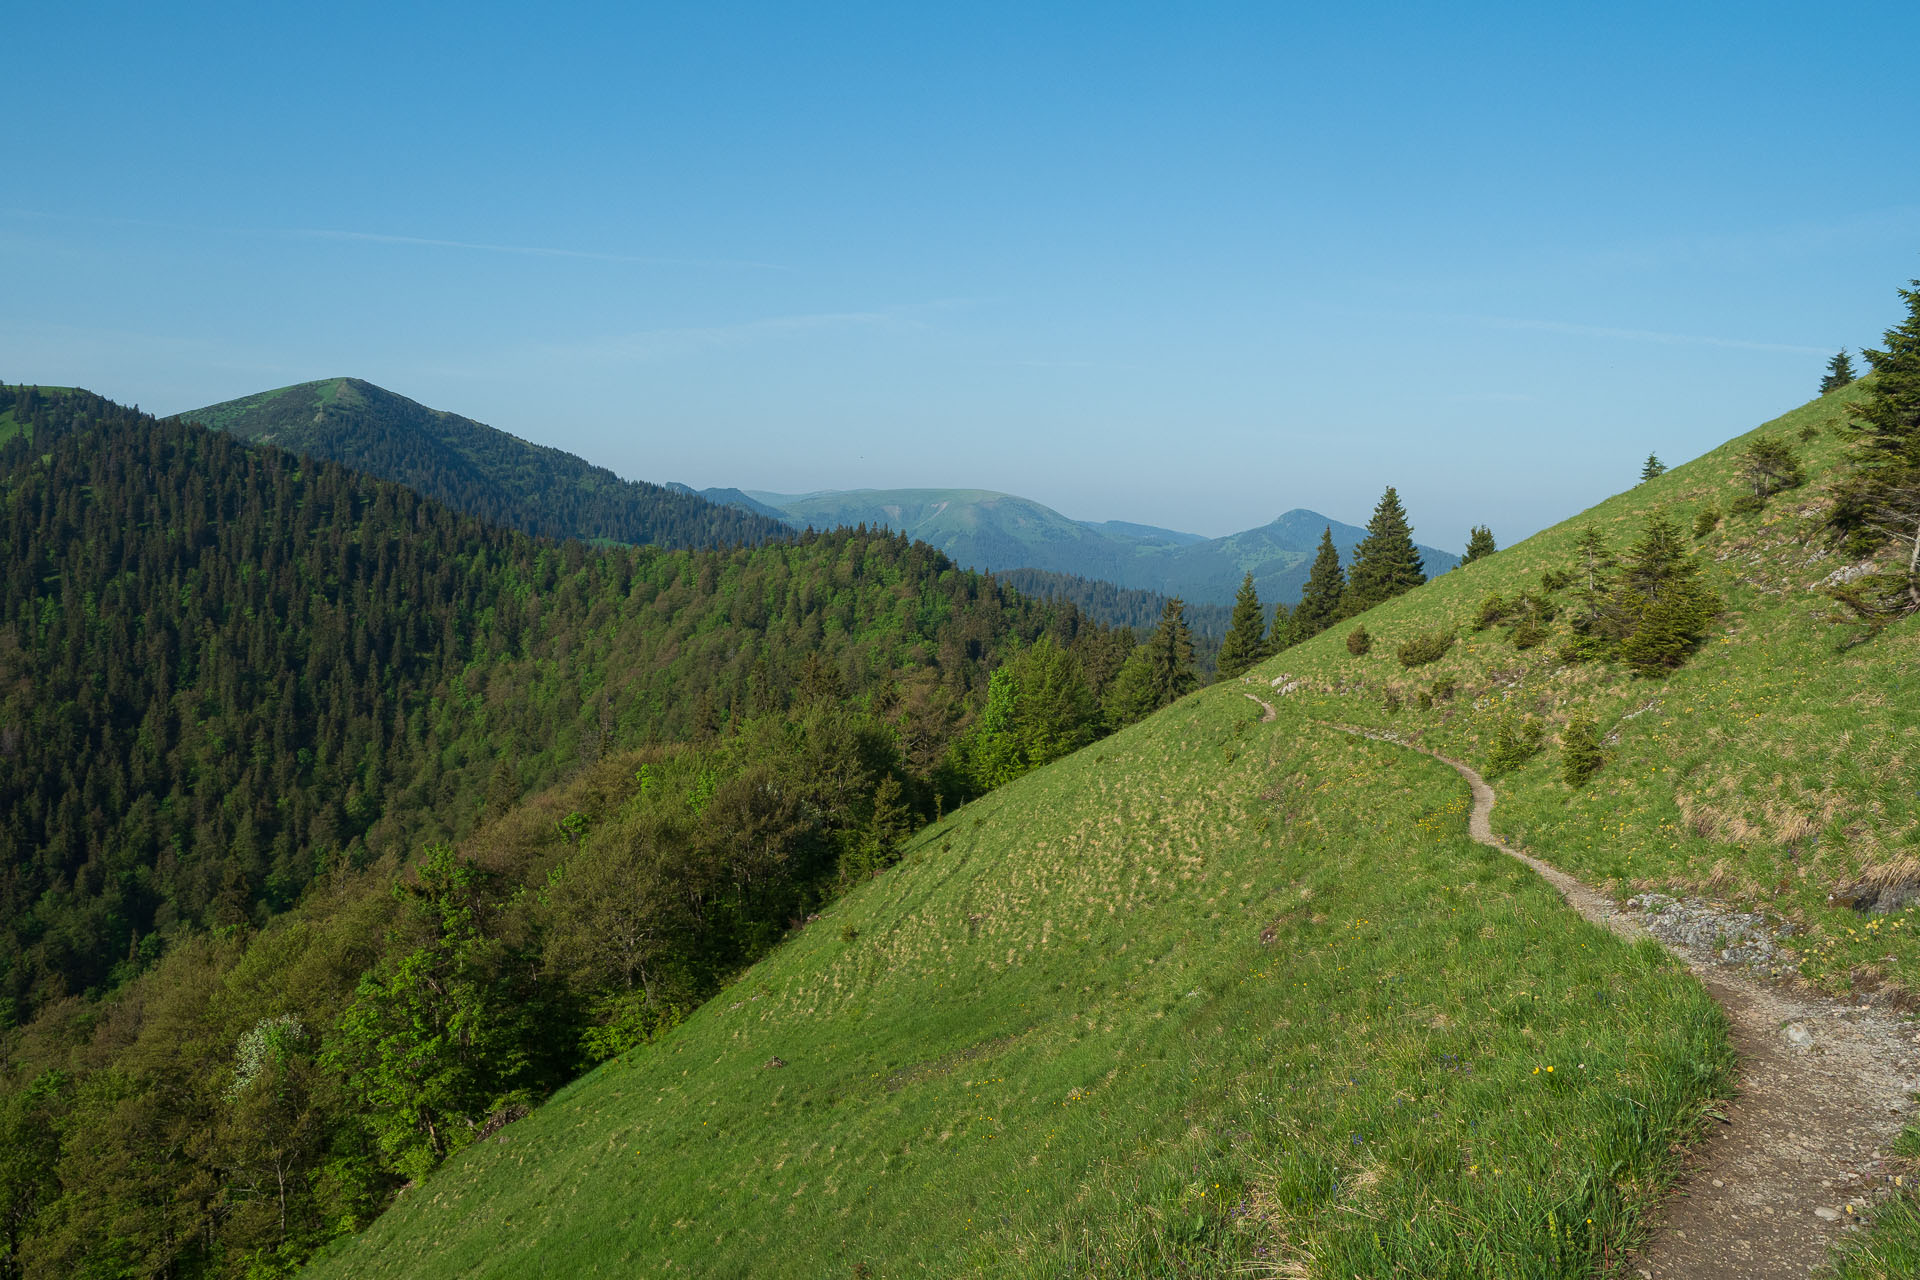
[478, 469]
[226, 668]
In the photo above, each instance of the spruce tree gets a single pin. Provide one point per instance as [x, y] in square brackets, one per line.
[1279, 632]
[1246, 633]
[1170, 655]
[1386, 563]
[1652, 469]
[1479, 544]
[1839, 373]
[1581, 754]
[1878, 502]
[1321, 599]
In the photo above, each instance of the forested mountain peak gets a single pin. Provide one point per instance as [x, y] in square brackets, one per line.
[479, 469]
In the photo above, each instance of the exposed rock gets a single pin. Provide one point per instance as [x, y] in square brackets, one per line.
[1740, 939]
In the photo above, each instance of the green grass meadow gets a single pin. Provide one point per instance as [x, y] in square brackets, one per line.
[1211, 997]
[1782, 762]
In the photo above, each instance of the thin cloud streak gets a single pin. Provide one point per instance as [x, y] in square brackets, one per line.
[667, 343]
[375, 237]
[661, 344]
[526, 250]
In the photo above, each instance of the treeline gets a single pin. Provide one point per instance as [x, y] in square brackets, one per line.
[1385, 564]
[1118, 606]
[481, 471]
[227, 669]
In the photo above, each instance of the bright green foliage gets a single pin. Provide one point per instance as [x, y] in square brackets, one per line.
[1652, 469]
[1839, 372]
[1479, 544]
[1706, 520]
[1246, 641]
[1386, 563]
[1322, 600]
[1581, 754]
[1086, 1023]
[1039, 708]
[1877, 503]
[29, 1159]
[439, 1039]
[1359, 643]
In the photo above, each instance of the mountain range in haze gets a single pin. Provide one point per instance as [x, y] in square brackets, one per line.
[546, 491]
[982, 529]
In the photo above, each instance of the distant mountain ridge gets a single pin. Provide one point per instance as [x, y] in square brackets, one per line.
[481, 470]
[984, 529]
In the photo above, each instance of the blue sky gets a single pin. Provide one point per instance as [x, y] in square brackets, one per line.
[1190, 265]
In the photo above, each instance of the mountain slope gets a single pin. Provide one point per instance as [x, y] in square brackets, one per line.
[1772, 767]
[986, 530]
[988, 1068]
[1083, 1029]
[1193, 965]
[223, 671]
[479, 470]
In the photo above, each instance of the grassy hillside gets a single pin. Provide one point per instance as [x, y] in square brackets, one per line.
[982, 529]
[1218, 994]
[479, 470]
[1211, 995]
[1774, 768]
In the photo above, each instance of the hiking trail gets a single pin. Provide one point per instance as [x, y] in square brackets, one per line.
[1824, 1087]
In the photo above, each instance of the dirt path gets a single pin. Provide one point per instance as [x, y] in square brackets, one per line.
[1824, 1087]
[1266, 709]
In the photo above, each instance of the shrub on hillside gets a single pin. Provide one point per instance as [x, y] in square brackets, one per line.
[1428, 646]
[1556, 579]
[1768, 466]
[1652, 609]
[1527, 633]
[1392, 701]
[1516, 740]
[1493, 611]
[1706, 521]
[1580, 752]
[1746, 504]
[1359, 642]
